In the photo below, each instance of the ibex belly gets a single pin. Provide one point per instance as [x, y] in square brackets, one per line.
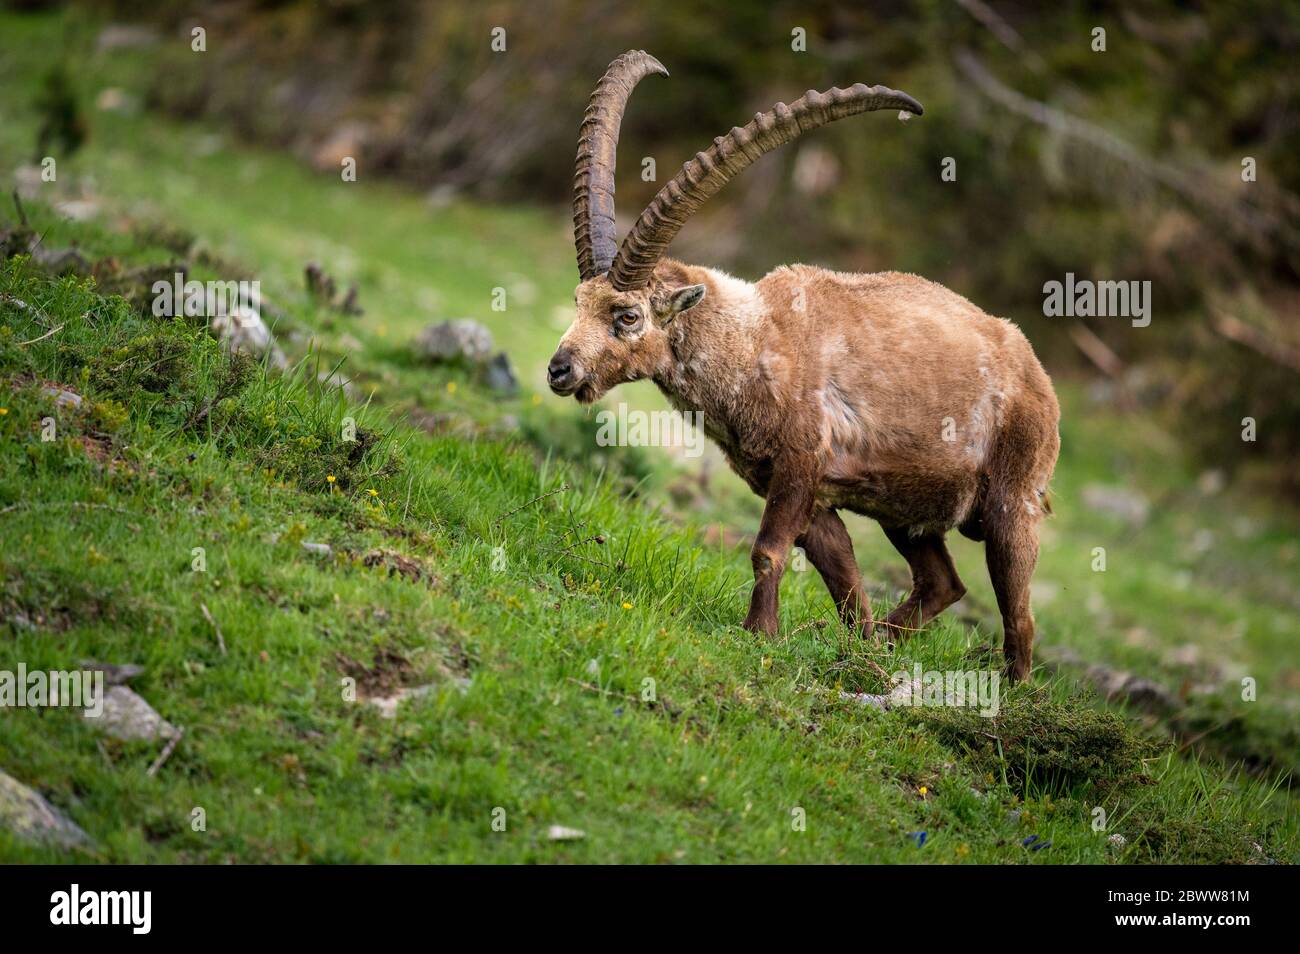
[919, 500]
[922, 471]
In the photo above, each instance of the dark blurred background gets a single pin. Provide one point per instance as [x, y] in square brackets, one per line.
[1125, 164]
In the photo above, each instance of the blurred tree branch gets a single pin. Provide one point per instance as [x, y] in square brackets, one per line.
[1255, 224]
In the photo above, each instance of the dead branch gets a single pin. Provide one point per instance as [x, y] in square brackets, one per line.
[1236, 330]
[1097, 351]
[23, 344]
[1253, 223]
[166, 752]
[221, 643]
[550, 493]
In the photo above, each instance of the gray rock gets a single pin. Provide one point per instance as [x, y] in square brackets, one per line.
[128, 717]
[66, 261]
[114, 675]
[114, 99]
[341, 381]
[1211, 482]
[1116, 683]
[561, 833]
[244, 330]
[78, 210]
[903, 692]
[501, 376]
[319, 549]
[62, 398]
[463, 339]
[1042, 591]
[1119, 502]
[387, 705]
[28, 815]
[124, 36]
[442, 195]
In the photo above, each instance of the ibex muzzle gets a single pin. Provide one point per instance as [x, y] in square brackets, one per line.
[882, 394]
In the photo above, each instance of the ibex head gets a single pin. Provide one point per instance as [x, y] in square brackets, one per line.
[617, 336]
[623, 304]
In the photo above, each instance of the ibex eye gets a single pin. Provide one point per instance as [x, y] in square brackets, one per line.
[627, 318]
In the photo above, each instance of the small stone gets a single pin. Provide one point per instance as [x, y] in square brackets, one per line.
[901, 693]
[1211, 482]
[114, 675]
[128, 717]
[62, 398]
[114, 99]
[1043, 592]
[124, 36]
[561, 833]
[1188, 654]
[1119, 502]
[441, 195]
[501, 376]
[461, 339]
[244, 330]
[318, 549]
[339, 380]
[387, 705]
[78, 210]
[65, 261]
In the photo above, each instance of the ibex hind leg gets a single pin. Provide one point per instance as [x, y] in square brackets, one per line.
[935, 583]
[1012, 509]
[830, 550]
[1011, 551]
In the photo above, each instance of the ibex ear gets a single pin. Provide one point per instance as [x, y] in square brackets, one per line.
[681, 300]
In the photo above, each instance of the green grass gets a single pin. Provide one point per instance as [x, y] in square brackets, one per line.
[540, 644]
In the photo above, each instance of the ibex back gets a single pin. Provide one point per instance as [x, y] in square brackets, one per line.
[882, 394]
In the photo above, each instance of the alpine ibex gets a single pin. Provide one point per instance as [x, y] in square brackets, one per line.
[882, 394]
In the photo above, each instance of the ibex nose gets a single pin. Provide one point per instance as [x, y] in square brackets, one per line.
[559, 367]
[560, 373]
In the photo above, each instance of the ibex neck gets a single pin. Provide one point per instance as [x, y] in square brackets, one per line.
[715, 345]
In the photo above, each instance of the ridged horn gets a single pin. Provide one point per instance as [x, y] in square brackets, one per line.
[593, 176]
[710, 170]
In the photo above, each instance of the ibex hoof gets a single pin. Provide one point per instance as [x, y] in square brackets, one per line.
[1016, 671]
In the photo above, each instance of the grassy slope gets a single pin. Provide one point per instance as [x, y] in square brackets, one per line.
[743, 733]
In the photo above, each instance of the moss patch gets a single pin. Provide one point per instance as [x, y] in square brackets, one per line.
[1041, 743]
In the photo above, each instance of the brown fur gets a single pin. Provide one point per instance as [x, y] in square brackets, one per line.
[882, 394]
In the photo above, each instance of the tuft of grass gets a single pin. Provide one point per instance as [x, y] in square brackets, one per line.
[1042, 743]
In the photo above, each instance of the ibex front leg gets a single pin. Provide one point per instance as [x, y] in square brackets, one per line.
[787, 515]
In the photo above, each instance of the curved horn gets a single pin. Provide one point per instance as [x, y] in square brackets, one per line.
[710, 170]
[593, 176]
